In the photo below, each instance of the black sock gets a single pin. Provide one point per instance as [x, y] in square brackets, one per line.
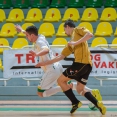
[91, 98]
[69, 93]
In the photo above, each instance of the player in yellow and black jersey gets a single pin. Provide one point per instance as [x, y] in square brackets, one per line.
[81, 67]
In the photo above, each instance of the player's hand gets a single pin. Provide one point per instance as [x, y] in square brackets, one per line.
[71, 43]
[32, 53]
[18, 28]
[40, 64]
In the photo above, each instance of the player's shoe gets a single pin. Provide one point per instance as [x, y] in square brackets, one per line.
[101, 107]
[96, 94]
[75, 107]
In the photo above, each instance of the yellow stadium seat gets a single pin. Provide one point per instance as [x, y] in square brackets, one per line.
[1, 67]
[87, 25]
[108, 14]
[24, 26]
[52, 15]
[19, 43]
[8, 30]
[115, 34]
[71, 13]
[3, 16]
[34, 15]
[60, 31]
[59, 41]
[47, 29]
[114, 41]
[98, 41]
[104, 29]
[15, 15]
[3, 42]
[90, 14]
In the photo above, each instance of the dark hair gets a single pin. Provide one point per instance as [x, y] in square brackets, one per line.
[70, 23]
[32, 30]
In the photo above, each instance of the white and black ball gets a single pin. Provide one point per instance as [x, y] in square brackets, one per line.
[92, 106]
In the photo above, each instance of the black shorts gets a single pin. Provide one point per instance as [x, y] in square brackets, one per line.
[79, 72]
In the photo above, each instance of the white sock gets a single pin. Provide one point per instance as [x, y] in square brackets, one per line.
[88, 89]
[57, 89]
[52, 91]
[75, 84]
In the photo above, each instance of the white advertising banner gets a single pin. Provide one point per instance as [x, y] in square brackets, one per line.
[19, 63]
[104, 61]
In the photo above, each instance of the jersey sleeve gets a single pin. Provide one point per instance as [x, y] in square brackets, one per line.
[42, 44]
[81, 30]
[67, 51]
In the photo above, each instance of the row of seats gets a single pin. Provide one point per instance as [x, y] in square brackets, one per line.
[17, 44]
[56, 3]
[54, 15]
[21, 42]
[47, 29]
[101, 40]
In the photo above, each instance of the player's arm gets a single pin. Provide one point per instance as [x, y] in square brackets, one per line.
[84, 33]
[19, 29]
[56, 59]
[86, 37]
[65, 52]
[40, 53]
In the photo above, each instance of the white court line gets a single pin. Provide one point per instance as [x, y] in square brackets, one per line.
[48, 102]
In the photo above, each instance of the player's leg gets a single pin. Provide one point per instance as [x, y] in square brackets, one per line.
[49, 79]
[71, 73]
[55, 89]
[52, 91]
[40, 91]
[62, 81]
[95, 92]
[81, 90]
[56, 73]
[82, 80]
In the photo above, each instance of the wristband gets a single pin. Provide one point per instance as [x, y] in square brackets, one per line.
[23, 31]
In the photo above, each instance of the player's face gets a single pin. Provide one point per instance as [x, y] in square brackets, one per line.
[67, 30]
[29, 37]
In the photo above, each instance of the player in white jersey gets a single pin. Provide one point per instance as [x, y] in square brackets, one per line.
[42, 49]
[51, 72]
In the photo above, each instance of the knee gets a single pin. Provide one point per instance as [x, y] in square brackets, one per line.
[80, 91]
[40, 94]
[60, 80]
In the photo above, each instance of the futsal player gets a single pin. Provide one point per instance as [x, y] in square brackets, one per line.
[81, 67]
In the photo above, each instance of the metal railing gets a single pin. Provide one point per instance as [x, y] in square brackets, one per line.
[107, 45]
[5, 80]
[31, 79]
[102, 79]
[6, 47]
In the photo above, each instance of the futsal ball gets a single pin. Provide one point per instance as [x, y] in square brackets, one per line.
[92, 106]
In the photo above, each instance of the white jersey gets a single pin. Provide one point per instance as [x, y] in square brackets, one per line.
[38, 46]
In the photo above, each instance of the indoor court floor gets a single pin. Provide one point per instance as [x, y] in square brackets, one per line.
[28, 109]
